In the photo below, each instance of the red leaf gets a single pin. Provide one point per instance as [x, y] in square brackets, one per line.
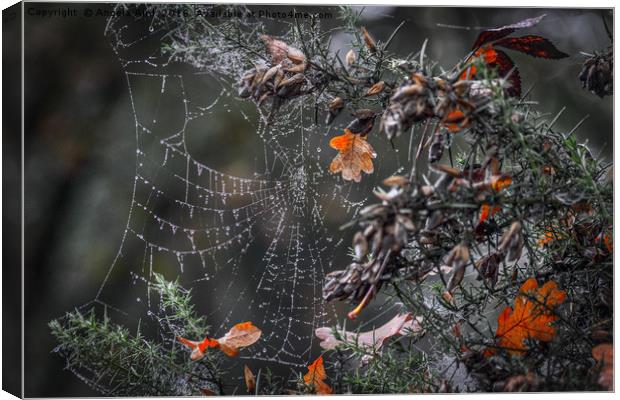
[490, 35]
[504, 65]
[496, 59]
[240, 335]
[535, 46]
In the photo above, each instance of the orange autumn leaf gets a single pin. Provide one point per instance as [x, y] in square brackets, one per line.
[456, 121]
[530, 318]
[486, 211]
[548, 237]
[499, 182]
[240, 335]
[355, 155]
[198, 348]
[316, 376]
[604, 356]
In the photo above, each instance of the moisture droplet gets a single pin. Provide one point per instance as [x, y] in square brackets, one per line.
[318, 149]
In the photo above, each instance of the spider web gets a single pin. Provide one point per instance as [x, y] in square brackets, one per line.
[251, 247]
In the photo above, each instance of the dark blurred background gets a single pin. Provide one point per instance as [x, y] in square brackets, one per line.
[80, 142]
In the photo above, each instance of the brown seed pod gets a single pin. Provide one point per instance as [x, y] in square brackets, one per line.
[363, 113]
[453, 172]
[278, 78]
[407, 91]
[295, 79]
[363, 123]
[375, 89]
[258, 77]
[336, 104]
[297, 68]
[370, 42]
[271, 72]
[396, 180]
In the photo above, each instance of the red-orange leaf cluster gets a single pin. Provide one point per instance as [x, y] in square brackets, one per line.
[531, 317]
[240, 335]
[485, 48]
[486, 211]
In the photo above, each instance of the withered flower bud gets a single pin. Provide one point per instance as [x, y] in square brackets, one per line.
[351, 57]
[360, 246]
[511, 243]
[435, 150]
[363, 122]
[458, 258]
[488, 268]
[597, 74]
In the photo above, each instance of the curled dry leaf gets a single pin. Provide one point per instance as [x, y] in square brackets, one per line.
[355, 155]
[240, 335]
[402, 324]
[316, 376]
[488, 268]
[250, 379]
[604, 356]
[530, 318]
